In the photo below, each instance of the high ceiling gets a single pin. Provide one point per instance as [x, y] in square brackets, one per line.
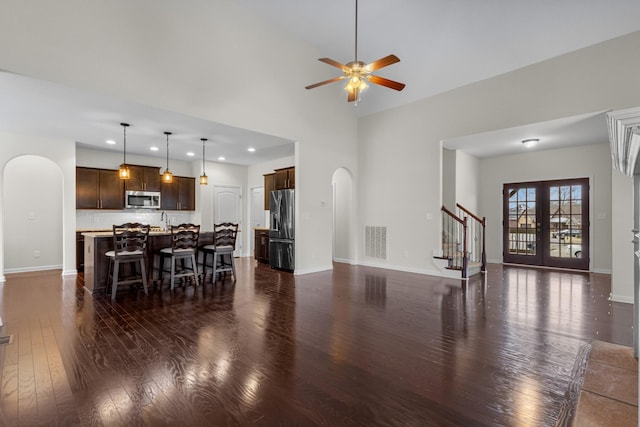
[445, 44]
[442, 45]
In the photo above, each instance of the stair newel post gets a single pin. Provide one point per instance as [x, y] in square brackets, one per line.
[465, 256]
[484, 244]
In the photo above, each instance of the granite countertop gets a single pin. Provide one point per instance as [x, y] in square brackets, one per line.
[261, 228]
[151, 233]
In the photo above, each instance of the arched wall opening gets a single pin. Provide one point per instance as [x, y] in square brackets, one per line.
[343, 216]
[32, 214]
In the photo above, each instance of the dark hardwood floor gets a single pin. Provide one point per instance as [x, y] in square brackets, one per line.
[353, 346]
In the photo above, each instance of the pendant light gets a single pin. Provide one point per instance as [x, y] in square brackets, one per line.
[203, 178]
[167, 176]
[124, 172]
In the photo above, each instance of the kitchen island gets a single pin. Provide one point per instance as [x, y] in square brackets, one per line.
[99, 242]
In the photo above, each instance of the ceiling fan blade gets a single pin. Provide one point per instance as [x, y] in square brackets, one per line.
[335, 79]
[382, 62]
[333, 63]
[386, 82]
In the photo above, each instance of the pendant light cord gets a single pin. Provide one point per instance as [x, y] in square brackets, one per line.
[203, 141]
[167, 133]
[124, 158]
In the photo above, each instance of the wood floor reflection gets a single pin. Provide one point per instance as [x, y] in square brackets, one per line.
[352, 346]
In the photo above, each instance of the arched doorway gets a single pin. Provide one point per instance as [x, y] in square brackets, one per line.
[343, 215]
[32, 214]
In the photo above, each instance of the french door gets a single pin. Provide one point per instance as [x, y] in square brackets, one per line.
[546, 223]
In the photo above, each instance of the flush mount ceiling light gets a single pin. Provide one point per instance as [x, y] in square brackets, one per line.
[530, 142]
[203, 178]
[358, 73]
[124, 172]
[167, 176]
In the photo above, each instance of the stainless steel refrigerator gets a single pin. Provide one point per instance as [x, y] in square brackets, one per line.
[282, 231]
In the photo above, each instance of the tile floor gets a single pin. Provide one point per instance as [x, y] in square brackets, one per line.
[609, 395]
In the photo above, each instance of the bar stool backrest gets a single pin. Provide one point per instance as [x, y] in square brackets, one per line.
[224, 235]
[130, 238]
[184, 237]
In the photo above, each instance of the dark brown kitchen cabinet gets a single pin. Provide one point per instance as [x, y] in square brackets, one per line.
[261, 245]
[79, 251]
[269, 186]
[98, 189]
[285, 178]
[180, 195]
[143, 178]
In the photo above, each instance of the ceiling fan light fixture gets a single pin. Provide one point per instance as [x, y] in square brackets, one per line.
[358, 72]
[167, 176]
[124, 172]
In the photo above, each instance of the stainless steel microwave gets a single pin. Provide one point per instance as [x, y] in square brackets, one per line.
[142, 200]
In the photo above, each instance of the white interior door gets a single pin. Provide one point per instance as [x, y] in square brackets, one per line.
[227, 207]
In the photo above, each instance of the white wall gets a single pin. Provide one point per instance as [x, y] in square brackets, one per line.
[400, 159]
[168, 55]
[32, 214]
[589, 161]
[621, 226]
[449, 179]
[467, 181]
[62, 153]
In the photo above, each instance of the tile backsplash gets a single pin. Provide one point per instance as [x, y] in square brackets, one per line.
[94, 219]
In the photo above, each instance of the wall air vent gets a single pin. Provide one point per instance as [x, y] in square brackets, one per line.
[375, 241]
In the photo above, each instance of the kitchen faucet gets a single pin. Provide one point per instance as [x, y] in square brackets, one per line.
[164, 217]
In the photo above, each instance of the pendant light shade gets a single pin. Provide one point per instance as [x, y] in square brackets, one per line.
[167, 176]
[204, 180]
[124, 172]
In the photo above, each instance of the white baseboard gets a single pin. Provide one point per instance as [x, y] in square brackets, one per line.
[345, 261]
[299, 272]
[31, 269]
[425, 271]
[69, 272]
[601, 270]
[621, 298]
[3, 279]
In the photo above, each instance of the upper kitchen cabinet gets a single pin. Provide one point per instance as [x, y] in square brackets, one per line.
[143, 178]
[98, 189]
[269, 186]
[180, 195]
[285, 178]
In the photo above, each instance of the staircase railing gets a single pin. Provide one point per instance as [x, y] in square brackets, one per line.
[454, 241]
[476, 235]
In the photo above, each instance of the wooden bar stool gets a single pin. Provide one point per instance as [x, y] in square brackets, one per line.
[184, 244]
[224, 243]
[129, 247]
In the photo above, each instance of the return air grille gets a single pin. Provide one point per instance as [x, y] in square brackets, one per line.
[375, 241]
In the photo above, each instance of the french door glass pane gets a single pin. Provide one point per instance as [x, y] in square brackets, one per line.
[522, 221]
[565, 219]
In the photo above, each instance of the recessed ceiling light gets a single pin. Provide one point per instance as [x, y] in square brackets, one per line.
[251, 149]
[111, 142]
[530, 142]
[154, 148]
[190, 153]
[221, 158]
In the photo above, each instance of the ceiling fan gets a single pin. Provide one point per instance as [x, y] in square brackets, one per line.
[358, 72]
